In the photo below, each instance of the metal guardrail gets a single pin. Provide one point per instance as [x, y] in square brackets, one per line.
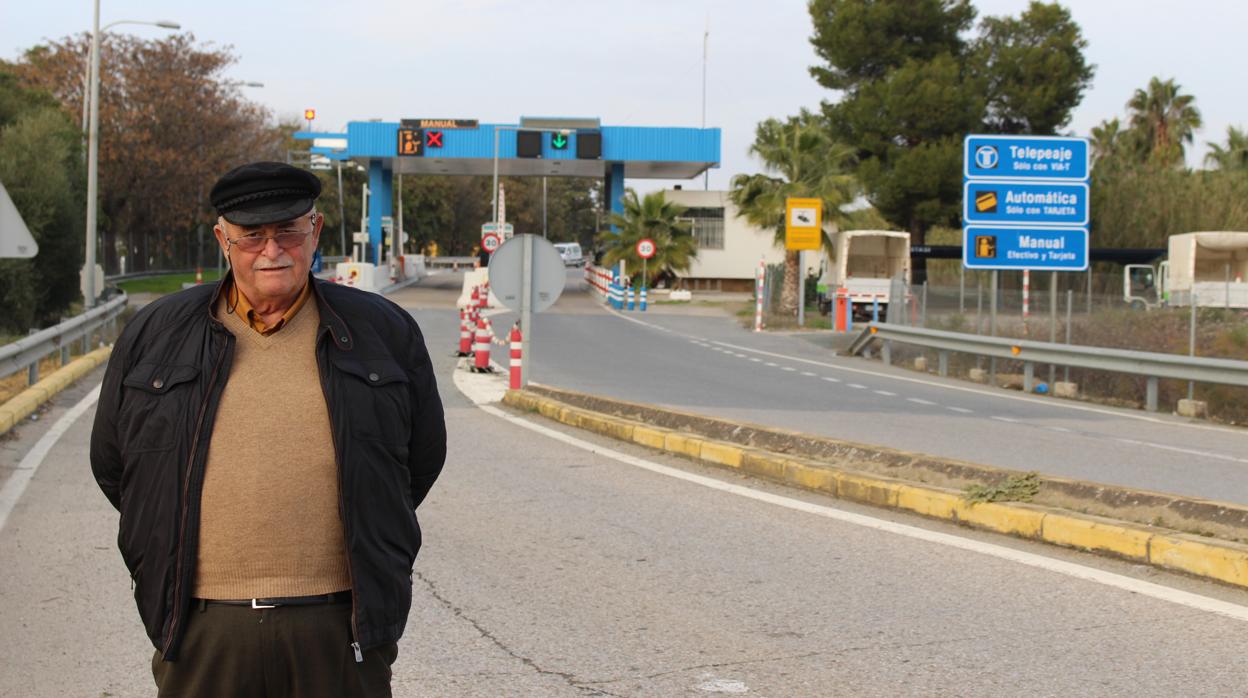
[1154, 366]
[27, 352]
[455, 263]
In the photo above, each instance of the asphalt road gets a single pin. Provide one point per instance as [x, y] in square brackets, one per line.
[561, 564]
[708, 363]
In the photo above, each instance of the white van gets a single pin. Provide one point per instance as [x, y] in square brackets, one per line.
[571, 253]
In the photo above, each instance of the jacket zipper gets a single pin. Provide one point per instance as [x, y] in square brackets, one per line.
[342, 514]
[176, 611]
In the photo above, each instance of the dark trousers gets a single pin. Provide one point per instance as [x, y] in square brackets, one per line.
[298, 651]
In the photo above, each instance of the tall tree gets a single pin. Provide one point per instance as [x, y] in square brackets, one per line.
[913, 85]
[40, 166]
[801, 161]
[1234, 155]
[170, 124]
[1165, 119]
[656, 218]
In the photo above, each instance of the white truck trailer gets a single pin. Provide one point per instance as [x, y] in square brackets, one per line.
[1210, 266]
[864, 262]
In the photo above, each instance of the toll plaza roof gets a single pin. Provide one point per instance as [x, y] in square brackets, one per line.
[536, 146]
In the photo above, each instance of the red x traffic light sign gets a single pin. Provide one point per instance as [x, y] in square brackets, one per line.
[433, 139]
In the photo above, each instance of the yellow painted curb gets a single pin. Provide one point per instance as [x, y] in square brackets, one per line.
[1095, 533]
[647, 436]
[1217, 559]
[683, 444]
[721, 453]
[869, 490]
[1225, 561]
[25, 403]
[1015, 519]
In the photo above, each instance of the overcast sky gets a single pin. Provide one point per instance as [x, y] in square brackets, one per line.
[631, 63]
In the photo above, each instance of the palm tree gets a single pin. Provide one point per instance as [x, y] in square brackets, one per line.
[1234, 156]
[803, 162]
[1164, 119]
[1107, 139]
[654, 217]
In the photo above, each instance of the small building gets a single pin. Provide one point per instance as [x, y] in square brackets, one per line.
[729, 248]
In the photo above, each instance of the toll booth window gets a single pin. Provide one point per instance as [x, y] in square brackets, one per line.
[588, 145]
[528, 144]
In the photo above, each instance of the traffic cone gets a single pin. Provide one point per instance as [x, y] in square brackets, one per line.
[465, 334]
[481, 349]
[476, 298]
[516, 364]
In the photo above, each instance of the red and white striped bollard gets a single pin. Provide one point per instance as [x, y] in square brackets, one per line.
[516, 359]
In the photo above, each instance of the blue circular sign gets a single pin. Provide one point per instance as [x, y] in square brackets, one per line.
[986, 157]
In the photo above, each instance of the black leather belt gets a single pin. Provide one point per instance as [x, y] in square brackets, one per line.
[318, 600]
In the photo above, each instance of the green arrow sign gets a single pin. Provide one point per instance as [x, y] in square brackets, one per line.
[558, 141]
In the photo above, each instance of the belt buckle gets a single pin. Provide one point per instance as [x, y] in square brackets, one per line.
[259, 606]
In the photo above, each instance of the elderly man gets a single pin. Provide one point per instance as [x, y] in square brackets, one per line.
[267, 442]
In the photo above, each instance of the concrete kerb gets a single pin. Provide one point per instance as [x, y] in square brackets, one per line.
[1211, 558]
[25, 403]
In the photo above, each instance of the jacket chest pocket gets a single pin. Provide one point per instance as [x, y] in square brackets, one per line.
[155, 405]
[374, 401]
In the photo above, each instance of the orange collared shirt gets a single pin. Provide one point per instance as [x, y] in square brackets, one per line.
[244, 309]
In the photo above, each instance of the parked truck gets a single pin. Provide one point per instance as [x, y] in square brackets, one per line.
[1211, 267]
[864, 264]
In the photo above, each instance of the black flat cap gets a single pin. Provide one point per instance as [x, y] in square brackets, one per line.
[264, 192]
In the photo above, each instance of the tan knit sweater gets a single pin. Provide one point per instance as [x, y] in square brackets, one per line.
[269, 522]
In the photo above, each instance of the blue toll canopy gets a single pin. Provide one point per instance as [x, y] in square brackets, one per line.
[535, 146]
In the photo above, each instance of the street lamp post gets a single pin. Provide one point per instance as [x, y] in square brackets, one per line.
[93, 147]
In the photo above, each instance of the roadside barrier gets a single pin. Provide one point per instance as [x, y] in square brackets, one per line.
[632, 298]
[465, 334]
[643, 299]
[481, 348]
[516, 359]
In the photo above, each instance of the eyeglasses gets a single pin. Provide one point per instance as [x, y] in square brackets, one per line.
[256, 242]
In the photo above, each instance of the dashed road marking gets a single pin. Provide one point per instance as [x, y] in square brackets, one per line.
[963, 410]
[857, 386]
[787, 368]
[830, 379]
[1005, 419]
[808, 374]
[885, 393]
[768, 363]
[920, 401]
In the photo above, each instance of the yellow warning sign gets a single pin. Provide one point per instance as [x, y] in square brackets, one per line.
[986, 201]
[986, 246]
[803, 223]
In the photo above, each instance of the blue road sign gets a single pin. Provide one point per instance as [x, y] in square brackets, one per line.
[1024, 203]
[1026, 157]
[1003, 247]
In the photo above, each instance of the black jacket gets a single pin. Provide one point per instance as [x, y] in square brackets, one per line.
[155, 417]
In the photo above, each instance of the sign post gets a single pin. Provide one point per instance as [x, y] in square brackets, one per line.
[803, 227]
[527, 275]
[645, 249]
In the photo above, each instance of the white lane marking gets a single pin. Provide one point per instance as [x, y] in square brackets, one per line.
[17, 482]
[1048, 402]
[857, 386]
[808, 374]
[1063, 430]
[740, 356]
[963, 410]
[1005, 419]
[885, 393]
[756, 360]
[1069, 569]
[830, 379]
[919, 401]
[787, 368]
[1176, 449]
[768, 363]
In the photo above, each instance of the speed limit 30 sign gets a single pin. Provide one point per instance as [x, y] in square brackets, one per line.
[489, 242]
[646, 248]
